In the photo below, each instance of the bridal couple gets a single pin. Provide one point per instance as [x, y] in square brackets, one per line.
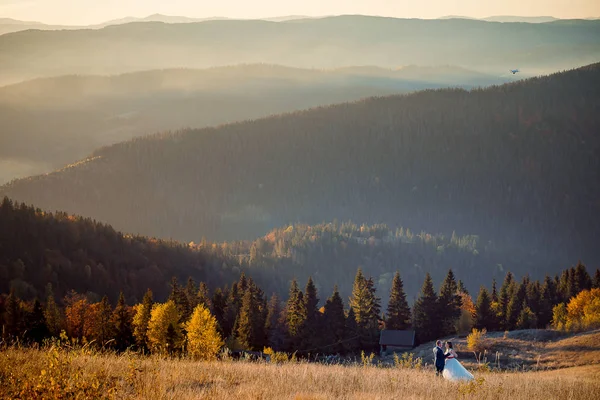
[447, 365]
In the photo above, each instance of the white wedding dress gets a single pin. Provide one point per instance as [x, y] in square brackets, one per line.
[454, 371]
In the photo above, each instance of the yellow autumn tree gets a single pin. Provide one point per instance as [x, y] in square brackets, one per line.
[203, 338]
[583, 311]
[465, 322]
[164, 332]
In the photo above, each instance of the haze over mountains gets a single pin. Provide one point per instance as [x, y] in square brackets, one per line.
[516, 164]
[329, 42]
[50, 122]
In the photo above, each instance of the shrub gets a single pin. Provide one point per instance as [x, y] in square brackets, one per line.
[476, 340]
[408, 360]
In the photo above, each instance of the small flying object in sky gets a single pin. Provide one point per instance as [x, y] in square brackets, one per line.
[514, 71]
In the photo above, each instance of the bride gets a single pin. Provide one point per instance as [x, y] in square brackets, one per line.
[454, 371]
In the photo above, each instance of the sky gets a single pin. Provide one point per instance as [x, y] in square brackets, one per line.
[84, 12]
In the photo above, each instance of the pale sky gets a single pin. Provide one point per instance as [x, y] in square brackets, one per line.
[83, 12]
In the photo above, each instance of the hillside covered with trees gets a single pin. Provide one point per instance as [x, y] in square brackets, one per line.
[515, 164]
[51, 122]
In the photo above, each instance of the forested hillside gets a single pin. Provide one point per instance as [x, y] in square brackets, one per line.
[76, 253]
[51, 122]
[310, 43]
[516, 164]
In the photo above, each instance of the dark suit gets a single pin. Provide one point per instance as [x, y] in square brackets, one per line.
[440, 359]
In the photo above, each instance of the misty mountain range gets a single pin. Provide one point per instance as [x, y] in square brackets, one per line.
[331, 42]
[50, 122]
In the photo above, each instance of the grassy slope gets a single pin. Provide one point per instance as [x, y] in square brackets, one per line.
[153, 378]
[531, 349]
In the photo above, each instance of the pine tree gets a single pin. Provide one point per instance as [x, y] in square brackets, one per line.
[484, 316]
[275, 334]
[398, 311]
[203, 338]
[310, 333]
[515, 306]
[37, 330]
[494, 292]
[98, 325]
[295, 315]
[548, 299]
[366, 307]
[247, 332]
[526, 319]
[449, 304]
[533, 296]
[203, 296]
[581, 279]
[461, 287]
[219, 304]
[335, 323]
[352, 334]
[505, 295]
[52, 313]
[596, 283]
[425, 313]
[191, 293]
[164, 330]
[179, 298]
[141, 319]
[122, 322]
[12, 316]
[232, 308]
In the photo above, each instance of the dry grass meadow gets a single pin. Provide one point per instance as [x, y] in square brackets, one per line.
[54, 374]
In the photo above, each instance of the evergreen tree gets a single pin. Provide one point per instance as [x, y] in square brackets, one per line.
[37, 330]
[461, 287]
[52, 313]
[179, 298]
[366, 307]
[596, 283]
[219, 304]
[352, 334]
[203, 338]
[247, 332]
[310, 333]
[425, 313]
[484, 316]
[398, 311]
[526, 319]
[13, 315]
[275, 334]
[102, 327]
[335, 323]
[505, 295]
[295, 315]
[122, 322]
[494, 292]
[515, 306]
[231, 310]
[203, 296]
[581, 279]
[449, 304]
[191, 293]
[141, 319]
[548, 299]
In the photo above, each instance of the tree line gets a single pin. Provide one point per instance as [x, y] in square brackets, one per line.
[197, 321]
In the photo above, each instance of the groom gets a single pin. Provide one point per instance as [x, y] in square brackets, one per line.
[439, 357]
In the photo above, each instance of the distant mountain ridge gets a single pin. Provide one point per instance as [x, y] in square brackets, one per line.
[518, 164]
[322, 43]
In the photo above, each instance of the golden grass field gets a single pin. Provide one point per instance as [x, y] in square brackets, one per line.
[28, 373]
